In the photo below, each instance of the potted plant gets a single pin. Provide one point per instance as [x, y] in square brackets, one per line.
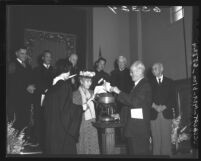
[15, 139]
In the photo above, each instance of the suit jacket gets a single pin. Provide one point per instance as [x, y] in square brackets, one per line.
[164, 94]
[139, 97]
[18, 98]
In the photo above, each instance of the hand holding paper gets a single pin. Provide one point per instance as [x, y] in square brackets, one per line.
[107, 86]
[115, 90]
[99, 89]
[62, 76]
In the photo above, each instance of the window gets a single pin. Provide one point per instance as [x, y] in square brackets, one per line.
[176, 13]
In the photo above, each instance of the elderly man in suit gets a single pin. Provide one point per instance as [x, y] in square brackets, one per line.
[164, 101]
[137, 127]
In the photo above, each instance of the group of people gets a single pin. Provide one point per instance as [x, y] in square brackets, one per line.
[63, 119]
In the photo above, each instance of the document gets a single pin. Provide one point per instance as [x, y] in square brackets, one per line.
[42, 99]
[99, 89]
[137, 113]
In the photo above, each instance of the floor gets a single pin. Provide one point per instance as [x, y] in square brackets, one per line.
[190, 154]
[185, 152]
[186, 155]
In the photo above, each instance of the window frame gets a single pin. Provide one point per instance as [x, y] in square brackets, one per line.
[175, 12]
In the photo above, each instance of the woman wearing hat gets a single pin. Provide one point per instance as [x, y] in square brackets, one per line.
[88, 139]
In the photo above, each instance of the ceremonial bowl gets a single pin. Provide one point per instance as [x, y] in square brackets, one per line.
[106, 118]
[106, 98]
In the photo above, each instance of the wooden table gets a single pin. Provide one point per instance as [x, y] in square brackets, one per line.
[108, 135]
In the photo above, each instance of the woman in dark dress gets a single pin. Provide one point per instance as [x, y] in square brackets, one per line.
[62, 117]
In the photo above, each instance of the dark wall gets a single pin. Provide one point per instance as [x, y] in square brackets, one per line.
[64, 19]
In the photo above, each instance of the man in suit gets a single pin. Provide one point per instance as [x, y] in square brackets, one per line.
[20, 89]
[137, 129]
[43, 80]
[164, 101]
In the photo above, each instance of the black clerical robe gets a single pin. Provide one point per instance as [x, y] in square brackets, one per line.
[122, 79]
[62, 120]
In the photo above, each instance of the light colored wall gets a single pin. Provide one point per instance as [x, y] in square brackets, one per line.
[134, 39]
[161, 40]
[164, 42]
[111, 34]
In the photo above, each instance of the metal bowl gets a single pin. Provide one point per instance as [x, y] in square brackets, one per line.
[106, 98]
[106, 118]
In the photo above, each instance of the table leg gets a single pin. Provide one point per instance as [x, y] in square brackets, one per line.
[108, 141]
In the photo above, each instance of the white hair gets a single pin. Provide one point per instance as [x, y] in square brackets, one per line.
[123, 58]
[139, 65]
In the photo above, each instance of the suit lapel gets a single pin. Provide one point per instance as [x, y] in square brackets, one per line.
[19, 64]
[138, 85]
[156, 81]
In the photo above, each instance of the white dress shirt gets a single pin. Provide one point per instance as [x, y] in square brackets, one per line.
[161, 79]
[46, 66]
[21, 62]
[138, 81]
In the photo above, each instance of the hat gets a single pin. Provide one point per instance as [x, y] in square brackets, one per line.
[87, 74]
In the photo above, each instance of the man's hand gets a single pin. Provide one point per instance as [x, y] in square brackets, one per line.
[31, 88]
[63, 76]
[107, 86]
[115, 90]
[116, 116]
[72, 80]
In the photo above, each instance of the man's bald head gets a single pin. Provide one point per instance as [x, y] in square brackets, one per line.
[73, 58]
[157, 69]
[122, 62]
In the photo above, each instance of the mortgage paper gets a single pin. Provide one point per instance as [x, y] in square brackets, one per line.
[99, 89]
[136, 113]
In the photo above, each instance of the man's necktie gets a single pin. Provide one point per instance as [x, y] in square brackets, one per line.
[133, 87]
[23, 64]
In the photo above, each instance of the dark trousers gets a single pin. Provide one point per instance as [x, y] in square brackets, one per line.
[138, 145]
[22, 117]
[39, 126]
